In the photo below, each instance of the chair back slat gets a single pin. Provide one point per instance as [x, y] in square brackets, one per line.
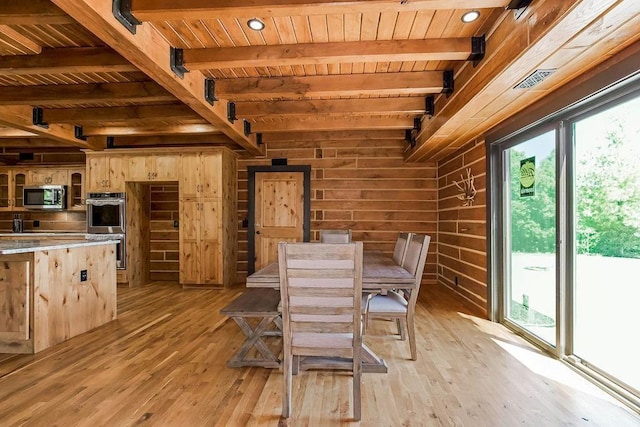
[335, 236]
[400, 248]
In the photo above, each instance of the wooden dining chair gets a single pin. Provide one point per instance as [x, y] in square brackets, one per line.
[400, 304]
[321, 289]
[335, 236]
[400, 249]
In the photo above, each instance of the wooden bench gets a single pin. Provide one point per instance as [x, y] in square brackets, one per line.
[256, 303]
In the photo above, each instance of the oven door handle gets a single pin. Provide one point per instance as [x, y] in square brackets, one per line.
[104, 202]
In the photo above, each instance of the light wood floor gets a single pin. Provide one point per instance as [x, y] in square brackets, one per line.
[162, 363]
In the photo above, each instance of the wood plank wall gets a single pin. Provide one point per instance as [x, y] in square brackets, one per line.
[67, 221]
[462, 235]
[164, 237]
[364, 185]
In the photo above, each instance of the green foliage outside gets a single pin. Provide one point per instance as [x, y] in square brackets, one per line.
[607, 196]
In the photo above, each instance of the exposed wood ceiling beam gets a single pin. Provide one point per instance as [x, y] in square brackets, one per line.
[32, 12]
[409, 83]
[150, 52]
[360, 135]
[20, 117]
[14, 40]
[491, 84]
[168, 140]
[84, 94]
[11, 133]
[168, 10]
[152, 130]
[113, 114]
[341, 107]
[328, 125]
[454, 49]
[66, 60]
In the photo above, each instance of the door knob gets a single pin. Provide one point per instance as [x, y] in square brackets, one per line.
[258, 232]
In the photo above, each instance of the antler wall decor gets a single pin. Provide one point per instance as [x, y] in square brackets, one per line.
[467, 188]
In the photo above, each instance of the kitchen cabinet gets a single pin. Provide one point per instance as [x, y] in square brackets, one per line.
[200, 242]
[200, 175]
[75, 190]
[12, 182]
[153, 167]
[106, 173]
[208, 218]
[48, 176]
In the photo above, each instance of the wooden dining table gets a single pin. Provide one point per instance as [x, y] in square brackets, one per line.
[379, 274]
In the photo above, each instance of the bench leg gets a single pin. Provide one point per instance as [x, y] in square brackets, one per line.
[254, 339]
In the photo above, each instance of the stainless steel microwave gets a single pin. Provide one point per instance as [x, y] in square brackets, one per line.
[50, 197]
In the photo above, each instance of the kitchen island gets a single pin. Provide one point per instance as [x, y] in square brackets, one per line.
[52, 290]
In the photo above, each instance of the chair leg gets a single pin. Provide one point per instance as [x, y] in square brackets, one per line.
[286, 396]
[412, 336]
[401, 329]
[357, 383]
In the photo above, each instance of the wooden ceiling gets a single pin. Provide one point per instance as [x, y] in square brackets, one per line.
[319, 69]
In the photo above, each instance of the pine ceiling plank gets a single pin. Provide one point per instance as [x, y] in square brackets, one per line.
[150, 52]
[155, 10]
[21, 44]
[32, 12]
[342, 107]
[84, 94]
[317, 86]
[20, 117]
[108, 114]
[66, 60]
[457, 49]
[374, 123]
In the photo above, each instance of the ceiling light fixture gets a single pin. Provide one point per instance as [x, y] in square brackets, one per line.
[470, 16]
[255, 24]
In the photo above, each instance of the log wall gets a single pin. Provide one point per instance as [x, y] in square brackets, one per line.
[364, 185]
[164, 237]
[462, 235]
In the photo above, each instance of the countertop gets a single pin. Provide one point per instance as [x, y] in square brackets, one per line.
[24, 246]
[44, 235]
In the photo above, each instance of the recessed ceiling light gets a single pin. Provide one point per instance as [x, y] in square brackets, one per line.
[470, 16]
[255, 24]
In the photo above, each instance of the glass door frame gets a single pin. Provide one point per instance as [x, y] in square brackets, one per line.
[499, 241]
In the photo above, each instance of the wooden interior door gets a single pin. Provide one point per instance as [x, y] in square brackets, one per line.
[279, 213]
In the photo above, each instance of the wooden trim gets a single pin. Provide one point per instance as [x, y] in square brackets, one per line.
[306, 225]
[32, 12]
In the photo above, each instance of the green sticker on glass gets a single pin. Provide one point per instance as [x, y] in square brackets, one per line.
[528, 177]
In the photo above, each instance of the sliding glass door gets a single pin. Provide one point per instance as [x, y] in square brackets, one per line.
[530, 235]
[565, 240]
[607, 241]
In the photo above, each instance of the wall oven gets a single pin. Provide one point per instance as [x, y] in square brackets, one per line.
[106, 213]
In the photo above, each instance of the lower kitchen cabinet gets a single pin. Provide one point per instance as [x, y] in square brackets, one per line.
[200, 245]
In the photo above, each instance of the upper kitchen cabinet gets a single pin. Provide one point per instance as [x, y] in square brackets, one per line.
[153, 167]
[201, 174]
[12, 183]
[106, 172]
[76, 190]
[48, 176]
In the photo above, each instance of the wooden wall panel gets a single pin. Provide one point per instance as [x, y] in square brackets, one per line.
[462, 235]
[363, 185]
[67, 221]
[164, 237]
